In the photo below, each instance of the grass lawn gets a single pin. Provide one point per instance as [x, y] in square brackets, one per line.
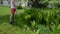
[5, 27]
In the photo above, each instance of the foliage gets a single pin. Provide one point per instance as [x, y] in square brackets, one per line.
[46, 3]
[48, 17]
[30, 21]
[19, 7]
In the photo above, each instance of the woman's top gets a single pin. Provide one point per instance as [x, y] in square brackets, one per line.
[13, 4]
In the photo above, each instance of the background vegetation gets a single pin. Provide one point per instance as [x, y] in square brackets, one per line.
[38, 17]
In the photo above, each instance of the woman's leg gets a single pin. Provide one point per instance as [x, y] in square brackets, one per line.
[11, 18]
[12, 15]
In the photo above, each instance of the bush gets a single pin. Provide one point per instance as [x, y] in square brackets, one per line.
[40, 20]
[47, 17]
[19, 7]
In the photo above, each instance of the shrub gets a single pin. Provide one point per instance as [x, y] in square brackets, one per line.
[19, 7]
[41, 20]
[47, 17]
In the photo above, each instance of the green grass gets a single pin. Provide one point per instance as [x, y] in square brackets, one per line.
[21, 27]
[5, 27]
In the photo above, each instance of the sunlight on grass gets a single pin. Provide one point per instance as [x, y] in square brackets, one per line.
[9, 29]
[4, 10]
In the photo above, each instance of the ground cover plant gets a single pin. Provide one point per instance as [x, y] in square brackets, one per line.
[30, 21]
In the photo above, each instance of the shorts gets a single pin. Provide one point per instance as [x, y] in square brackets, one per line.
[13, 10]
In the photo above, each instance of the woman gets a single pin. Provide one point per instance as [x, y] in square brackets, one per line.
[13, 9]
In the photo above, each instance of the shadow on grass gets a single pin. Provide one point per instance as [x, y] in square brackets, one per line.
[17, 20]
[4, 18]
